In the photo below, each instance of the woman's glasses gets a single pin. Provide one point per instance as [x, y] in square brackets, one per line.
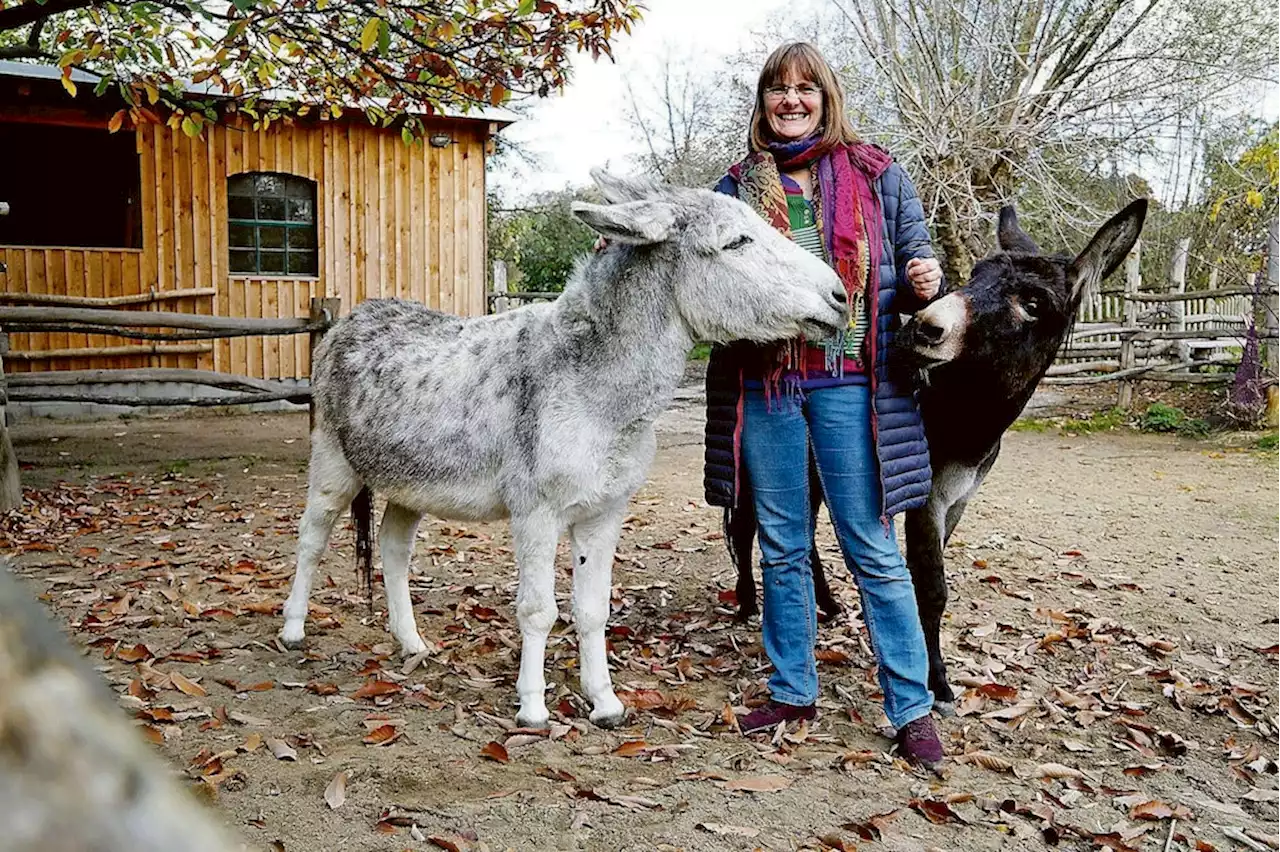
[805, 90]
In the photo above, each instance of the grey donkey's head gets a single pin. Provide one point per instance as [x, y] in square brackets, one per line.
[734, 277]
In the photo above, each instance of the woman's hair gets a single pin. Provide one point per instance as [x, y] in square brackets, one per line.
[802, 60]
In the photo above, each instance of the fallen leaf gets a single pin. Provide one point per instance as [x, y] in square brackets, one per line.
[642, 699]
[758, 784]
[336, 793]
[135, 654]
[631, 748]
[281, 749]
[1056, 770]
[184, 684]
[382, 735]
[998, 691]
[495, 751]
[449, 844]
[376, 688]
[252, 742]
[317, 688]
[938, 813]
[1157, 810]
[987, 761]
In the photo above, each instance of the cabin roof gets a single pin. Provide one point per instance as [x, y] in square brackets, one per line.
[36, 71]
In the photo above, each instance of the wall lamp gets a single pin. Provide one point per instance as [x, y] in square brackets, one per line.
[440, 140]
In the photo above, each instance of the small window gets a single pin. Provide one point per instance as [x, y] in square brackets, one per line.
[271, 227]
[69, 186]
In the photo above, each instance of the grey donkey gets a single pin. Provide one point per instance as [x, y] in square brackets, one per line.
[545, 414]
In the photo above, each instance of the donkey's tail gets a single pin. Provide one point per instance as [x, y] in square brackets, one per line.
[362, 515]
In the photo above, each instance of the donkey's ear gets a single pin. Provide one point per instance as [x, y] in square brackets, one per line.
[1011, 237]
[619, 190]
[637, 223]
[1108, 248]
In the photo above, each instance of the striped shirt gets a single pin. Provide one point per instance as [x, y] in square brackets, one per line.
[804, 230]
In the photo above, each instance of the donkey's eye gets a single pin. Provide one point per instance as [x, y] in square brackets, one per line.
[737, 242]
[1028, 308]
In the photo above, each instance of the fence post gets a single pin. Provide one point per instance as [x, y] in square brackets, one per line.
[500, 303]
[1272, 325]
[10, 484]
[322, 310]
[1132, 281]
[1178, 284]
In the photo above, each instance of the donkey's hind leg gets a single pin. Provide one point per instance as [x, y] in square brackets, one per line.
[594, 541]
[331, 486]
[535, 536]
[395, 536]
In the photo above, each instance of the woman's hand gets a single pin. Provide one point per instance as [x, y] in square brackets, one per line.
[925, 275]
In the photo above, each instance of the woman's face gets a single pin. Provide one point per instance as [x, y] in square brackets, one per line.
[793, 106]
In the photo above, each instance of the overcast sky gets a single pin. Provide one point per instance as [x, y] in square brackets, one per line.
[586, 126]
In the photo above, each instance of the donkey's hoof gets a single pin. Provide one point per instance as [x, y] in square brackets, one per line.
[292, 639]
[533, 719]
[945, 709]
[609, 720]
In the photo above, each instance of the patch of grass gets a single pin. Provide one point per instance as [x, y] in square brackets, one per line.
[176, 467]
[1168, 418]
[1098, 421]
[701, 352]
[1268, 442]
[1032, 424]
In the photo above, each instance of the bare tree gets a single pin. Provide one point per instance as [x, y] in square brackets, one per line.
[692, 123]
[982, 97]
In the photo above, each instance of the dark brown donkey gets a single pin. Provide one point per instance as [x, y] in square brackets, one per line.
[981, 350]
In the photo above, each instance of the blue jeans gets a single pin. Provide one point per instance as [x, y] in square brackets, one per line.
[775, 447]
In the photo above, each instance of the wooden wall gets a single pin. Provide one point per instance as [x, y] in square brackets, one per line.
[392, 220]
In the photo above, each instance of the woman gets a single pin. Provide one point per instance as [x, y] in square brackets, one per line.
[770, 407]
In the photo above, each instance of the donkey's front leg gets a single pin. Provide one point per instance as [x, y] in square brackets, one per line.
[535, 536]
[594, 541]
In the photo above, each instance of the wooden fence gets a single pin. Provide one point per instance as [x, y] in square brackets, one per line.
[159, 329]
[1140, 333]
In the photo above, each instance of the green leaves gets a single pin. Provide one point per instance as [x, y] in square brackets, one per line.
[410, 59]
[372, 30]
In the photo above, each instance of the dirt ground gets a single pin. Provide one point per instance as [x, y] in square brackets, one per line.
[1112, 625]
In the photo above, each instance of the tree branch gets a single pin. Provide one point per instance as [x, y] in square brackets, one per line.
[29, 13]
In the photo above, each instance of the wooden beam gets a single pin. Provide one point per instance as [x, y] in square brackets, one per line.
[151, 319]
[113, 351]
[106, 301]
[1191, 295]
[150, 374]
[299, 396]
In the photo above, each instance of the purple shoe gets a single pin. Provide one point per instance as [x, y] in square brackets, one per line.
[918, 743]
[771, 713]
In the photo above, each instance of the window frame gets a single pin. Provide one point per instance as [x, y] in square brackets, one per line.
[291, 187]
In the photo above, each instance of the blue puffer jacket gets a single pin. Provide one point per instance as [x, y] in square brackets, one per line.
[899, 432]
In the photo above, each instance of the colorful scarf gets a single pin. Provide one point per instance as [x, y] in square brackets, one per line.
[849, 218]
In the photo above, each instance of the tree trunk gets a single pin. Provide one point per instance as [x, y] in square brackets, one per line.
[957, 262]
[74, 773]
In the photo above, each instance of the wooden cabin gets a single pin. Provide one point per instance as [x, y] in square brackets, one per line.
[234, 223]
